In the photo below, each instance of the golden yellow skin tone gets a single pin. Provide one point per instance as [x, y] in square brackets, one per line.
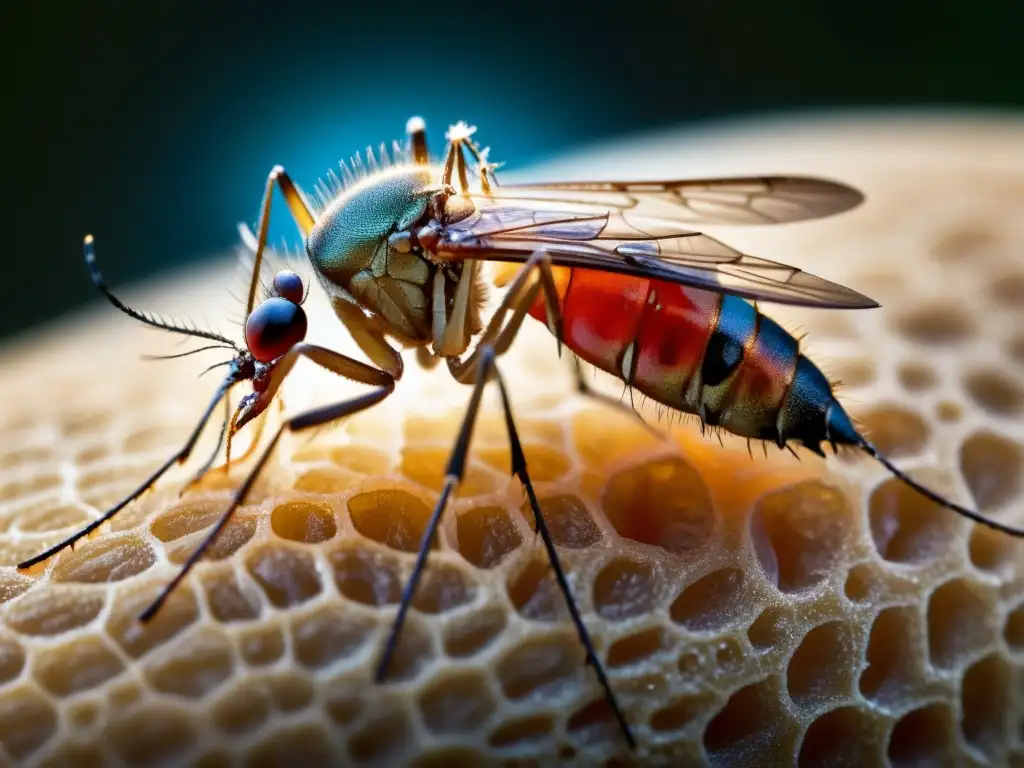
[848, 634]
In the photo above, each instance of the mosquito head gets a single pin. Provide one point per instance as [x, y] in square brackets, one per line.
[279, 323]
[271, 330]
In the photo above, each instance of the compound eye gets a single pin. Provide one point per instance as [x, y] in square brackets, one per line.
[274, 327]
[288, 285]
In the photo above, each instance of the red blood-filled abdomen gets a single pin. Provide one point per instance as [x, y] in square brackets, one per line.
[671, 340]
[600, 314]
[650, 333]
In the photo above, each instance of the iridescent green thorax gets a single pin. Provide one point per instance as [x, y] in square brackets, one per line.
[353, 229]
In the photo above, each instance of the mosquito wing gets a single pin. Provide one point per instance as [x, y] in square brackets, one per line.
[751, 200]
[614, 241]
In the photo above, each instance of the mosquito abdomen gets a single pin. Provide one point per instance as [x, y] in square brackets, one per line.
[699, 352]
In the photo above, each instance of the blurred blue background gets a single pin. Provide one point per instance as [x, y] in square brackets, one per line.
[153, 125]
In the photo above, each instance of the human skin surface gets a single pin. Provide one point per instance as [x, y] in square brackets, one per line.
[762, 610]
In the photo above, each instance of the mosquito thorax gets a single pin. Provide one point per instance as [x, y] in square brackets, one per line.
[366, 246]
[352, 234]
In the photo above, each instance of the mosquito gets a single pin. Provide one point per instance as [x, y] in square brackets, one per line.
[613, 269]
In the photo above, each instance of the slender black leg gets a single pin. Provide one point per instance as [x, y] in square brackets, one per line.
[500, 332]
[201, 472]
[453, 475]
[312, 418]
[178, 457]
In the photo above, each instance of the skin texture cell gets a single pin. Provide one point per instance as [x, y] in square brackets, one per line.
[715, 585]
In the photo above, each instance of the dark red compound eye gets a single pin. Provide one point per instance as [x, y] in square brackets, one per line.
[274, 327]
[288, 285]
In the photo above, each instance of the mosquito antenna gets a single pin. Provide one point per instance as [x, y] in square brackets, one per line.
[216, 365]
[186, 354]
[143, 317]
[937, 498]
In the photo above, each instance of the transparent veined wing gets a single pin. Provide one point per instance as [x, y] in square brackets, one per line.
[617, 242]
[741, 200]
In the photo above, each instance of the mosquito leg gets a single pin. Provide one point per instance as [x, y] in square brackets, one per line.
[226, 467]
[312, 418]
[450, 337]
[555, 324]
[369, 338]
[585, 390]
[519, 470]
[519, 298]
[257, 433]
[427, 360]
[300, 212]
[252, 408]
[328, 359]
[416, 130]
[454, 472]
[453, 476]
[177, 458]
[208, 464]
[449, 165]
[485, 168]
[460, 165]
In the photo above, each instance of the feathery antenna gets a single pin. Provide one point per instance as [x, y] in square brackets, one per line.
[143, 317]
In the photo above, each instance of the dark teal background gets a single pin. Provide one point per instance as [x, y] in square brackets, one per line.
[153, 124]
